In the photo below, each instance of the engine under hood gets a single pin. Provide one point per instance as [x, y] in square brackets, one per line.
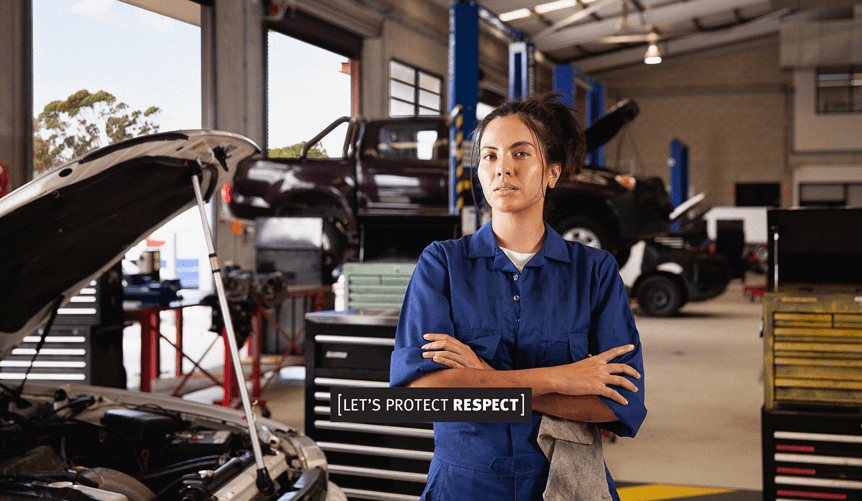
[67, 227]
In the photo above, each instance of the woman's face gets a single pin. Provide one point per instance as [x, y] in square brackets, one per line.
[511, 168]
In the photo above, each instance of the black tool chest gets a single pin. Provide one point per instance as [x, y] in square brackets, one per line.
[810, 455]
[378, 461]
[812, 331]
[85, 343]
[812, 415]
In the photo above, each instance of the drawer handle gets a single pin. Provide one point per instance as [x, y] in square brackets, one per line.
[377, 495]
[378, 473]
[818, 437]
[357, 340]
[376, 451]
[376, 428]
[349, 383]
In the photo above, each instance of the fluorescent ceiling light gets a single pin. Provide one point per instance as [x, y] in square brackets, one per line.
[552, 6]
[652, 56]
[515, 14]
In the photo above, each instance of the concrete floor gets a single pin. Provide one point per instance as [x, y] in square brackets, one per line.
[704, 389]
[704, 384]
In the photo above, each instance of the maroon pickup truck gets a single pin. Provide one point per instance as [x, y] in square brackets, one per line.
[397, 169]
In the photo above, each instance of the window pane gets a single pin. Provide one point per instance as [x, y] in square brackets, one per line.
[821, 193]
[401, 91]
[406, 83]
[429, 82]
[401, 72]
[400, 109]
[854, 195]
[839, 89]
[833, 99]
[425, 140]
[429, 100]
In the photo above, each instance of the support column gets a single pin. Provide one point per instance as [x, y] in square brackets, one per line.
[16, 99]
[522, 70]
[566, 80]
[678, 163]
[463, 92]
[233, 89]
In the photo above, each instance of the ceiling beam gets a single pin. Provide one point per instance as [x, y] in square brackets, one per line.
[739, 33]
[577, 16]
[670, 14]
[181, 10]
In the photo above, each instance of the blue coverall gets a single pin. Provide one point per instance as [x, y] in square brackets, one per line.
[569, 301]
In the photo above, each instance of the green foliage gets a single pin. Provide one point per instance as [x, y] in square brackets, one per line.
[84, 122]
[293, 151]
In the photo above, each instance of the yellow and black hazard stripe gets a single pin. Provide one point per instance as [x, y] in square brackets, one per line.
[465, 194]
[656, 492]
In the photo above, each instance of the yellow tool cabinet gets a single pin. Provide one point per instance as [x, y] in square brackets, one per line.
[812, 349]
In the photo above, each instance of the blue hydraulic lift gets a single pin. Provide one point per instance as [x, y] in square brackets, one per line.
[463, 91]
[678, 164]
[566, 77]
[463, 73]
[522, 70]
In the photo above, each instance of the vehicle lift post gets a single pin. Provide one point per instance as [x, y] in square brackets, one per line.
[566, 78]
[463, 93]
[678, 164]
[522, 70]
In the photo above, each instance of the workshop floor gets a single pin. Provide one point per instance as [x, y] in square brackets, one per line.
[704, 377]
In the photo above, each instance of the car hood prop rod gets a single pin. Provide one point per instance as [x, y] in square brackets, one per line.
[264, 483]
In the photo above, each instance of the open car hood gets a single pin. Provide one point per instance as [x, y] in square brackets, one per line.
[608, 125]
[66, 228]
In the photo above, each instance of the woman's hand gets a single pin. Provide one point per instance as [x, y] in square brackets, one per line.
[595, 376]
[448, 351]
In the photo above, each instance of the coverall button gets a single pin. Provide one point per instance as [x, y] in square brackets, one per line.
[515, 277]
[517, 298]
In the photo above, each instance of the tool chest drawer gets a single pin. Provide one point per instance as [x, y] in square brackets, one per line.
[360, 349]
[378, 461]
[812, 349]
[811, 455]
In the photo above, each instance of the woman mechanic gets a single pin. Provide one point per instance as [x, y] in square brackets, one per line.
[515, 305]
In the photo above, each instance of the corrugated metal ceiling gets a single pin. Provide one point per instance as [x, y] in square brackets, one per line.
[599, 34]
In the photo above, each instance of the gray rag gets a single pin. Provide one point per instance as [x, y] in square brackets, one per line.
[577, 462]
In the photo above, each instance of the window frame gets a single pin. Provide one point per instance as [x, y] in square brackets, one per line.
[417, 103]
[853, 88]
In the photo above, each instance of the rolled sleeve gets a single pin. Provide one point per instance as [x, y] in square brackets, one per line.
[614, 325]
[426, 309]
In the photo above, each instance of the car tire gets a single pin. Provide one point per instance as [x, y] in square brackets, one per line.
[659, 296]
[592, 233]
[585, 230]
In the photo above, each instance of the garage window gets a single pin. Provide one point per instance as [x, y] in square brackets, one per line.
[413, 92]
[839, 89]
[830, 194]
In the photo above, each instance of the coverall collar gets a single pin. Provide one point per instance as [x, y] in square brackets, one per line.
[484, 244]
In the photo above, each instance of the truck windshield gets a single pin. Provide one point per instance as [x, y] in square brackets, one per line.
[411, 141]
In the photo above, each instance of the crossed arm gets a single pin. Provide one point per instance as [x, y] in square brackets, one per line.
[568, 391]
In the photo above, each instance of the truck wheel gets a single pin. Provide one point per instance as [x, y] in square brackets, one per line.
[585, 230]
[659, 296]
[592, 233]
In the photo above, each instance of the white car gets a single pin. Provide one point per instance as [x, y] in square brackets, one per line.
[71, 441]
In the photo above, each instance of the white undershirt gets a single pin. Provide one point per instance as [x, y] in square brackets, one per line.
[519, 259]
